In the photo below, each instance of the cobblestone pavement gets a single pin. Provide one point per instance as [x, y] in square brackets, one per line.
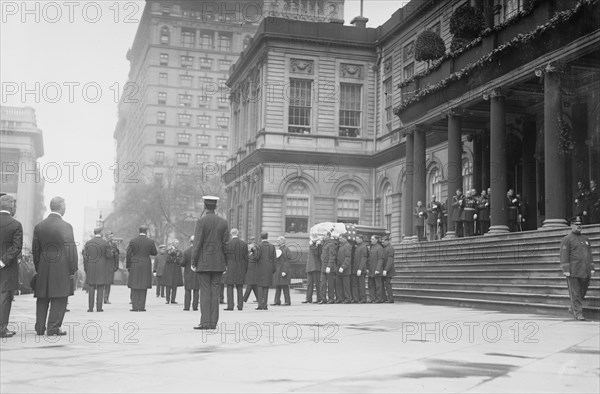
[399, 347]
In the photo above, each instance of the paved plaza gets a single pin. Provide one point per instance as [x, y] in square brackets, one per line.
[399, 347]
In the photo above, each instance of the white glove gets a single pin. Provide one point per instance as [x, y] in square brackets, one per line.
[439, 220]
[384, 273]
[475, 216]
[327, 270]
[154, 273]
[283, 274]
[567, 273]
[360, 272]
[376, 273]
[341, 270]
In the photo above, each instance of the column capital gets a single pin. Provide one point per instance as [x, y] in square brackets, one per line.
[416, 128]
[495, 94]
[454, 112]
[551, 67]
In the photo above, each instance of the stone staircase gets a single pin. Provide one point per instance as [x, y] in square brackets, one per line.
[518, 272]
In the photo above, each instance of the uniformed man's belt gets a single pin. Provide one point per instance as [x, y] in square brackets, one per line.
[469, 209]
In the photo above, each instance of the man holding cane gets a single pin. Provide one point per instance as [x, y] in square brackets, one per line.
[576, 263]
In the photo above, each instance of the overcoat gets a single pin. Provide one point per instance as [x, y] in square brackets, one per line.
[138, 262]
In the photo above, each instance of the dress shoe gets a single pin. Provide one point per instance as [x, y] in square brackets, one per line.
[133, 310]
[580, 317]
[142, 310]
[56, 333]
[275, 304]
[322, 302]
[107, 302]
[390, 301]
[186, 309]
[202, 327]
[307, 302]
[7, 334]
[90, 310]
[287, 304]
[239, 309]
[67, 310]
[100, 310]
[174, 302]
[331, 302]
[195, 309]
[167, 302]
[347, 302]
[227, 309]
[259, 309]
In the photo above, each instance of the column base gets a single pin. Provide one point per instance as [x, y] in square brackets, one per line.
[498, 229]
[554, 223]
[409, 239]
[450, 235]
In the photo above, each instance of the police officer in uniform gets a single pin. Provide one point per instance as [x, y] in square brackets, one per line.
[457, 205]
[483, 215]
[434, 213]
[469, 214]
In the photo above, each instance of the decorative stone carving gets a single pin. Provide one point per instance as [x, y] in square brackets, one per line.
[351, 71]
[387, 65]
[301, 66]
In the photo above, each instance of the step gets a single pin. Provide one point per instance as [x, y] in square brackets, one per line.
[593, 291]
[483, 279]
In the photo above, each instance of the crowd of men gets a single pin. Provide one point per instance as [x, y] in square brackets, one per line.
[586, 204]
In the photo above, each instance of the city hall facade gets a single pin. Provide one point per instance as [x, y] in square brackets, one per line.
[335, 123]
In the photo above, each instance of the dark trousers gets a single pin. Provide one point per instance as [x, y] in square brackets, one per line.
[342, 288]
[313, 279]
[432, 231]
[387, 289]
[222, 293]
[484, 226]
[6, 299]
[468, 228]
[210, 286]
[263, 295]
[138, 299]
[286, 294]
[93, 291]
[458, 228]
[106, 293]
[171, 293]
[357, 283]
[240, 296]
[420, 233]
[57, 306]
[327, 286]
[579, 288]
[375, 289]
[187, 299]
[160, 289]
[250, 289]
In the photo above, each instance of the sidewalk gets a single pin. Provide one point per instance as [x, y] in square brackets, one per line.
[397, 347]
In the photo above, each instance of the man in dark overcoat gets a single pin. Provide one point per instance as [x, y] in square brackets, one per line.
[434, 212]
[457, 208]
[265, 268]
[139, 265]
[158, 269]
[97, 255]
[237, 265]
[11, 244]
[55, 260]
[328, 261]
[113, 265]
[375, 269]
[359, 271]
[172, 278]
[250, 279]
[313, 271]
[344, 270]
[388, 268]
[208, 259]
[191, 281]
[282, 276]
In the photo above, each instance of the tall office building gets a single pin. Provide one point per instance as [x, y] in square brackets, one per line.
[174, 111]
[21, 144]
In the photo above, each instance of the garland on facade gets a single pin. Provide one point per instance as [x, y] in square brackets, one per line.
[565, 137]
[484, 33]
[555, 22]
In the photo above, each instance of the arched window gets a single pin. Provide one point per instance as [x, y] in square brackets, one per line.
[297, 208]
[348, 204]
[165, 36]
[435, 184]
[387, 207]
[467, 174]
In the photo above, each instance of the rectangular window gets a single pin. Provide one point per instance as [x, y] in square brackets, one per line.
[203, 121]
[185, 100]
[350, 109]
[159, 158]
[224, 43]
[203, 101]
[205, 63]
[207, 83]
[224, 65]
[186, 80]
[187, 61]
[223, 100]
[183, 159]
[206, 39]
[203, 141]
[388, 103]
[409, 71]
[296, 214]
[220, 159]
[183, 139]
[188, 37]
[160, 137]
[408, 51]
[249, 219]
[201, 159]
[222, 142]
[163, 78]
[164, 59]
[300, 106]
[348, 210]
[161, 117]
[185, 120]
[162, 98]
[223, 122]
[511, 8]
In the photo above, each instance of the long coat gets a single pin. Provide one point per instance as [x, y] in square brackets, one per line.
[54, 257]
[265, 264]
[313, 262]
[283, 264]
[237, 262]
[252, 263]
[433, 213]
[191, 281]
[388, 260]
[329, 254]
[344, 259]
[210, 244]
[11, 243]
[113, 264]
[97, 255]
[160, 261]
[361, 255]
[138, 262]
[375, 260]
[172, 274]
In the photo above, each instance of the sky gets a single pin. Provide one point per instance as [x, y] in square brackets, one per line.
[66, 59]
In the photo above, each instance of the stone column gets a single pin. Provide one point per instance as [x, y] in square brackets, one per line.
[407, 196]
[485, 159]
[477, 163]
[554, 160]
[498, 172]
[420, 171]
[529, 192]
[454, 167]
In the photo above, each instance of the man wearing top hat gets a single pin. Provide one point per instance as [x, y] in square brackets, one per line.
[208, 260]
[577, 265]
[97, 255]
